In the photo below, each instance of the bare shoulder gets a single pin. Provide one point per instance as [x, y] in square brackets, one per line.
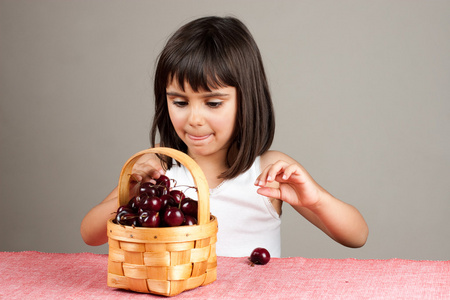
[272, 156]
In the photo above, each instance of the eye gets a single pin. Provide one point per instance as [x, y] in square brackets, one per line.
[180, 103]
[214, 104]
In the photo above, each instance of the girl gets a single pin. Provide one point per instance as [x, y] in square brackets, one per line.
[212, 102]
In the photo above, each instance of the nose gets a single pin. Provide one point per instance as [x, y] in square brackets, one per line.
[196, 117]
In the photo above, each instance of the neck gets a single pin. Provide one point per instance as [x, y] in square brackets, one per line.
[212, 166]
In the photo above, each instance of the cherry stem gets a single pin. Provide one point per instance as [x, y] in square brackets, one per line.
[188, 187]
[122, 218]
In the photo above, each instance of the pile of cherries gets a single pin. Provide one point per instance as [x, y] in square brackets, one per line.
[158, 205]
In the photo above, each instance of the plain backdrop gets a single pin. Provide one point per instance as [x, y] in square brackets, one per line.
[361, 91]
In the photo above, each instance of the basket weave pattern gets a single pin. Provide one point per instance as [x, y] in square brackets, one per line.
[164, 261]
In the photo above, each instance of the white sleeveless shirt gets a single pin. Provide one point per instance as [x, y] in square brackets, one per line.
[246, 219]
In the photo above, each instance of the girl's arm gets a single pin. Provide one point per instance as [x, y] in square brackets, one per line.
[285, 179]
[93, 226]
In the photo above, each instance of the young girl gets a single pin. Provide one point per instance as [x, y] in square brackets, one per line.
[212, 102]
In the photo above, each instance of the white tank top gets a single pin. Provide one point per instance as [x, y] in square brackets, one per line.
[246, 219]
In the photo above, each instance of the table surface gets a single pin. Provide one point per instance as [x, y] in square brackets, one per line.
[36, 275]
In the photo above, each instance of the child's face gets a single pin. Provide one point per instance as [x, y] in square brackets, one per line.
[203, 120]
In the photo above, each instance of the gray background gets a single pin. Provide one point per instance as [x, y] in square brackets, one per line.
[361, 90]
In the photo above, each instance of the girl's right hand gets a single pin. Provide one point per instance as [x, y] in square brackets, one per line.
[93, 226]
[146, 168]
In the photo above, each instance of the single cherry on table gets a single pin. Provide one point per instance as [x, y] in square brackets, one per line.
[260, 256]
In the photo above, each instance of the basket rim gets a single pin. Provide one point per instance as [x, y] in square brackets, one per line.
[161, 234]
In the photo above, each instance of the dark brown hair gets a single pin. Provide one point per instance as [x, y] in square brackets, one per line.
[213, 52]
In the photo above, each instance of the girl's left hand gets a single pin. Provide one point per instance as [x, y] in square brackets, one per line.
[295, 186]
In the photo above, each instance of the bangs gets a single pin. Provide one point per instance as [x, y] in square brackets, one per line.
[202, 65]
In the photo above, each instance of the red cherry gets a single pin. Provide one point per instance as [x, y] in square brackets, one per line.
[149, 219]
[163, 180]
[189, 220]
[260, 256]
[173, 216]
[140, 199]
[124, 207]
[134, 203]
[151, 203]
[162, 190]
[168, 201]
[189, 207]
[126, 218]
[177, 195]
[148, 188]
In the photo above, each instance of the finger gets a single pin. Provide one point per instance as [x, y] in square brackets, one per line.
[135, 178]
[269, 192]
[258, 181]
[146, 174]
[155, 174]
[272, 171]
[261, 179]
[268, 174]
[264, 178]
[287, 172]
[147, 163]
[276, 169]
[292, 173]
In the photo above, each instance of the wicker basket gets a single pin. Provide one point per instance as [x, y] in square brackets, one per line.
[169, 260]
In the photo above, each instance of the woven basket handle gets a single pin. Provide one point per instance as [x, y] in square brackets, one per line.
[199, 179]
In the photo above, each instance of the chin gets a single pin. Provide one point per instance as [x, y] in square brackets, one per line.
[204, 150]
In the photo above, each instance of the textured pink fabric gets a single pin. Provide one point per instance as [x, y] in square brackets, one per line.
[36, 275]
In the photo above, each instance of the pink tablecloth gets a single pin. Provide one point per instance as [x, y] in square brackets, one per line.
[36, 275]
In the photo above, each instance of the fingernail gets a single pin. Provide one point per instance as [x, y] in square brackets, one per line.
[269, 178]
[284, 177]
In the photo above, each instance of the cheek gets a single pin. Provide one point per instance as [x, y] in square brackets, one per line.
[226, 123]
[176, 119]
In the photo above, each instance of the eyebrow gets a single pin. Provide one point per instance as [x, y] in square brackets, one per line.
[205, 95]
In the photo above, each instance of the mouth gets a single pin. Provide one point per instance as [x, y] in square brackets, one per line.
[198, 138]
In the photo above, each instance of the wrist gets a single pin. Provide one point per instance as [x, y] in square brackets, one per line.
[319, 204]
